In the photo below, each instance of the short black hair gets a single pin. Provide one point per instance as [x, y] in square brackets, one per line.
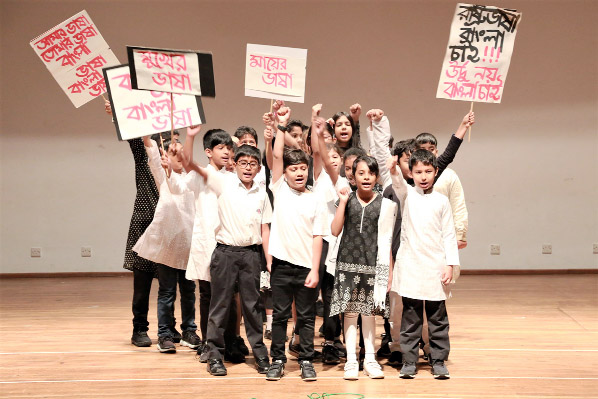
[214, 137]
[247, 150]
[425, 138]
[166, 139]
[244, 130]
[295, 122]
[294, 157]
[369, 161]
[404, 147]
[423, 156]
[335, 147]
[353, 151]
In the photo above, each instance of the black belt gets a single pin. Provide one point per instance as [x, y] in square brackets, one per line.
[254, 247]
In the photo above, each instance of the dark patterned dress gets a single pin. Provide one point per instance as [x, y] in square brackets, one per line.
[355, 275]
[146, 200]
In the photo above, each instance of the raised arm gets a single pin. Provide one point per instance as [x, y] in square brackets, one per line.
[447, 157]
[379, 130]
[281, 117]
[339, 217]
[399, 185]
[192, 131]
[268, 136]
[316, 150]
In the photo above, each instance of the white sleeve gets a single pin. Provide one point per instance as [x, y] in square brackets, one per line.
[321, 227]
[153, 160]
[381, 136]
[400, 186]
[267, 211]
[217, 181]
[449, 238]
[457, 199]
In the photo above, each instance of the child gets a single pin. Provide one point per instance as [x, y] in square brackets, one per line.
[244, 211]
[363, 262]
[425, 260]
[167, 242]
[218, 147]
[346, 127]
[298, 224]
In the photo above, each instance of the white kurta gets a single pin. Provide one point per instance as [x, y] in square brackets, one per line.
[167, 240]
[428, 243]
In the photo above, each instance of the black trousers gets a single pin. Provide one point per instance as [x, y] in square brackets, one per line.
[142, 284]
[287, 281]
[229, 265]
[411, 329]
[332, 324]
[205, 295]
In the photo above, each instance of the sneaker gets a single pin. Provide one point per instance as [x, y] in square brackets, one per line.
[166, 345]
[308, 373]
[373, 369]
[216, 367]
[241, 345]
[262, 365]
[342, 351]
[330, 354]
[268, 334]
[203, 352]
[440, 371]
[141, 339]
[176, 336]
[408, 370]
[276, 371]
[395, 359]
[190, 339]
[351, 370]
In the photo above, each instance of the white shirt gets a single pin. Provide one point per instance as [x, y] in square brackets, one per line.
[203, 241]
[241, 211]
[448, 184]
[324, 187]
[428, 243]
[297, 218]
[167, 240]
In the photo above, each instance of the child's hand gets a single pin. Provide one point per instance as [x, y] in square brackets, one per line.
[375, 115]
[107, 107]
[268, 119]
[268, 134]
[269, 266]
[461, 244]
[315, 111]
[276, 105]
[447, 275]
[235, 140]
[318, 126]
[469, 119]
[193, 130]
[330, 121]
[355, 111]
[343, 194]
[391, 165]
[165, 161]
[283, 115]
[312, 279]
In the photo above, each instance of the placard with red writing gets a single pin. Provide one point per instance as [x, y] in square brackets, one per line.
[139, 113]
[173, 71]
[479, 53]
[275, 72]
[75, 53]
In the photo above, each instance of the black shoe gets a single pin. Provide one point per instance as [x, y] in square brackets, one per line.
[262, 365]
[294, 350]
[395, 359]
[384, 350]
[141, 339]
[408, 371]
[317, 356]
[308, 373]
[190, 339]
[276, 371]
[268, 334]
[203, 352]
[165, 345]
[330, 355]
[361, 358]
[241, 345]
[321, 331]
[342, 351]
[216, 367]
[176, 336]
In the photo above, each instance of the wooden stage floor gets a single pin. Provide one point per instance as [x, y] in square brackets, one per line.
[531, 336]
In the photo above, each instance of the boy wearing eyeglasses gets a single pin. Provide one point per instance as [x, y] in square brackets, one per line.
[244, 211]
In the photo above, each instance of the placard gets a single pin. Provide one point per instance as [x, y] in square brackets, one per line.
[173, 71]
[75, 53]
[479, 53]
[275, 72]
[139, 113]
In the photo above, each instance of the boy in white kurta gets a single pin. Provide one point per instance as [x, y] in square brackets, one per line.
[425, 262]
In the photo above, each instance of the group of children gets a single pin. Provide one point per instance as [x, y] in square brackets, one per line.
[376, 234]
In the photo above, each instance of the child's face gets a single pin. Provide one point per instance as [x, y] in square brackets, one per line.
[220, 155]
[247, 167]
[230, 165]
[423, 175]
[328, 139]
[343, 131]
[404, 165]
[247, 139]
[296, 176]
[335, 159]
[365, 179]
[429, 147]
[297, 134]
[349, 169]
[174, 154]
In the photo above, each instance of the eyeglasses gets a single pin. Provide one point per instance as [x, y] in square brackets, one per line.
[244, 164]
